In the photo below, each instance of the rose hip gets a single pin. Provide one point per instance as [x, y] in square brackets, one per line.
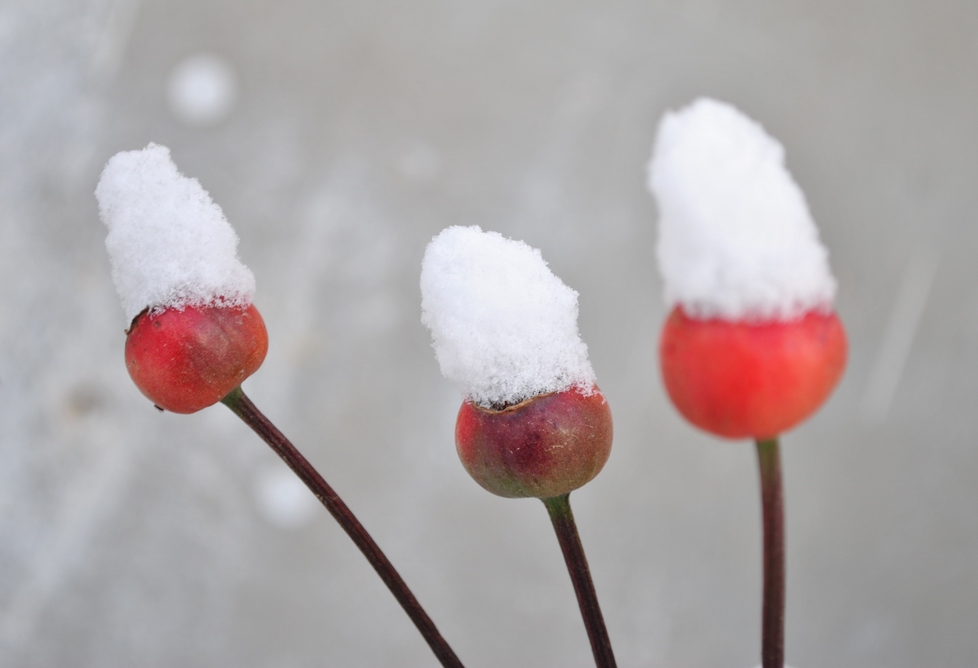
[189, 359]
[743, 379]
[543, 447]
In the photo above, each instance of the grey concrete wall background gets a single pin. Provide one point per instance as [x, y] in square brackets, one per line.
[360, 129]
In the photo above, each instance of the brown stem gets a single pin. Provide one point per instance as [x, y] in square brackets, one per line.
[244, 409]
[570, 544]
[772, 510]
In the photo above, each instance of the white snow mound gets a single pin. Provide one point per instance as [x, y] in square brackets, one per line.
[503, 327]
[169, 243]
[736, 239]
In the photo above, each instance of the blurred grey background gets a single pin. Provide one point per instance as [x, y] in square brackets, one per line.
[339, 137]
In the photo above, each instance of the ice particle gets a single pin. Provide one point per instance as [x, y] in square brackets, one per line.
[282, 499]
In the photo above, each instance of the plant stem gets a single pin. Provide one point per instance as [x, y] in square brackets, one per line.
[242, 407]
[570, 544]
[772, 510]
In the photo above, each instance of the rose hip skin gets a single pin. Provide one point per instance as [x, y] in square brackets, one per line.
[542, 447]
[739, 380]
[187, 360]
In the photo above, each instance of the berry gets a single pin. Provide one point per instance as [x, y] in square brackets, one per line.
[543, 447]
[743, 379]
[189, 359]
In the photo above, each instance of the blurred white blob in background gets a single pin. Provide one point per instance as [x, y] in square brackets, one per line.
[282, 499]
[202, 90]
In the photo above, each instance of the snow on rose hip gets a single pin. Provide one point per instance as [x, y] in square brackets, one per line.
[533, 423]
[752, 345]
[194, 334]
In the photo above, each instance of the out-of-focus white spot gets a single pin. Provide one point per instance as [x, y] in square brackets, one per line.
[282, 499]
[421, 164]
[202, 90]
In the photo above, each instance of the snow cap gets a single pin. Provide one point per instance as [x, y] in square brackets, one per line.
[736, 239]
[504, 328]
[169, 243]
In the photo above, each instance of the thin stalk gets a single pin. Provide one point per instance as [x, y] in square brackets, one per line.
[242, 407]
[570, 544]
[772, 511]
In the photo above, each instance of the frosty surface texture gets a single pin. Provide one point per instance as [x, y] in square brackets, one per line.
[504, 328]
[169, 243]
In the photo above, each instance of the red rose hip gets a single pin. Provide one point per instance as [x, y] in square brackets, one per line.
[741, 379]
[189, 359]
[543, 447]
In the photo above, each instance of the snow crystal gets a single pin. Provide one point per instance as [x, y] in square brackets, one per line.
[736, 239]
[169, 243]
[504, 328]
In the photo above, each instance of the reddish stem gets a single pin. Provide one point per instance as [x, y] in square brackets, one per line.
[587, 598]
[242, 407]
[772, 510]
